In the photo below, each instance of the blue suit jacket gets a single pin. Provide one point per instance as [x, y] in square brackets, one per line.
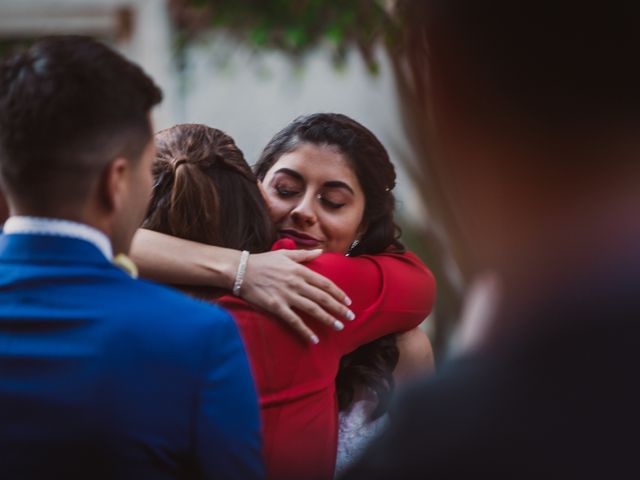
[103, 376]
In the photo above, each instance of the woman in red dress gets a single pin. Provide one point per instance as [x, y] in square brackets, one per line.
[328, 182]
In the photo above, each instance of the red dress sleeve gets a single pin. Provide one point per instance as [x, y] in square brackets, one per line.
[391, 293]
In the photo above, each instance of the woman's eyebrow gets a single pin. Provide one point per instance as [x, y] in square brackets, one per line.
[329, 184]
[291, 173]
[339, 184]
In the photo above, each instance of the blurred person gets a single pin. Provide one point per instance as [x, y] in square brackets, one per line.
[534, 125]
[4, 209]
[102, 375]
[320, 194]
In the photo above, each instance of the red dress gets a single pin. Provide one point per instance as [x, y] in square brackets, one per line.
[296, 380]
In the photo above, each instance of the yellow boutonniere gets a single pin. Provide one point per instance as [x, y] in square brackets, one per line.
[126, 264]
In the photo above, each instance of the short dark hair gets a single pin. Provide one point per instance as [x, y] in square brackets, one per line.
[68, 105]
[553, 65]
[205, 191]
[367, 157]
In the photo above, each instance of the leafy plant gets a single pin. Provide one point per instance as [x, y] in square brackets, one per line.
[293, 26]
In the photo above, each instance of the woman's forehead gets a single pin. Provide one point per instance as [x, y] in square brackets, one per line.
[316, 162]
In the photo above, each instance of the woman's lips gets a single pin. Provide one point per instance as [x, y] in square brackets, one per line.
[301, 239]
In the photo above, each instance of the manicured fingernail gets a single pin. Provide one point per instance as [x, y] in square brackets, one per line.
[347, 301]
[338, 325]
[314, 339]
[349, 315]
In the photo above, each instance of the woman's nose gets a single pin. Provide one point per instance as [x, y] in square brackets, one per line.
[304, 213]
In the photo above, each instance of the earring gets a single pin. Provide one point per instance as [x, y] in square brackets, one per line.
[354, 244]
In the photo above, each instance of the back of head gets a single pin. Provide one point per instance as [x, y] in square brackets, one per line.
[533, 119]
[68, 106]
[558, 71]
[366, 156]
[206, 192]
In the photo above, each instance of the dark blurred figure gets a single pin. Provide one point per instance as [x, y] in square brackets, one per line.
[4, 209]
[101, 375]
[534, 123]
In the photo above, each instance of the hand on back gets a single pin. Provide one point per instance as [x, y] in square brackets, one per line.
[277, 282]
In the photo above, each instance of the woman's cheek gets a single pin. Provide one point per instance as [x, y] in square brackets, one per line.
[341, 229]
[277, 209]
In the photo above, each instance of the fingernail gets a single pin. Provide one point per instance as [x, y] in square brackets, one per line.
[314, 339]
[349, 315]
[347, 301]
[338, 325]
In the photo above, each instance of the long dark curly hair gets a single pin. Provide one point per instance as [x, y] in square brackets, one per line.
[370, 365]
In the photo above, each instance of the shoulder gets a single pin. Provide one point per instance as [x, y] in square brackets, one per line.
[405, 267]
[406, 282]
[454, 412]
[398, 268]
[397, 282]
[470, 400]
[159, 308]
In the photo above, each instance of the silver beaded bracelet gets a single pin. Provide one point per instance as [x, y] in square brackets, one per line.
[242, 266]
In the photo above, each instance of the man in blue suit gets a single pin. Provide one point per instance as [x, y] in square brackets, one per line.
[101, 375]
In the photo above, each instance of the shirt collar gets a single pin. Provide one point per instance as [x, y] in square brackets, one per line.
[59, 228]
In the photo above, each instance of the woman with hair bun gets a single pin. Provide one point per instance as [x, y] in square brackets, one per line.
[328, 185]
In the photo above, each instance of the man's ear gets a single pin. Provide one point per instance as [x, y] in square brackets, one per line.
[113, 184]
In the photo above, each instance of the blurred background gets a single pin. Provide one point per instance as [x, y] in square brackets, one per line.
[250, 67]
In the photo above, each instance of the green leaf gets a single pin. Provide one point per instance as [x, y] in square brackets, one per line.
[295, 37]
[294, 26]
[259, 36]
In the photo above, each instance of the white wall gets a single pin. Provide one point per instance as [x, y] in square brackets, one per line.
[148, 43]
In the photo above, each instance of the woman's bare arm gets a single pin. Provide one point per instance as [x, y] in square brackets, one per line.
[168, 259]
[416, 356]
[274, 281]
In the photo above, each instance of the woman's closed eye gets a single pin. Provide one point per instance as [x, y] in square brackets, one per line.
[332, 201]
[286, 190]
[328, 203]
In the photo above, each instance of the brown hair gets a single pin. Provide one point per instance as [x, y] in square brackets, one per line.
[206, 192]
